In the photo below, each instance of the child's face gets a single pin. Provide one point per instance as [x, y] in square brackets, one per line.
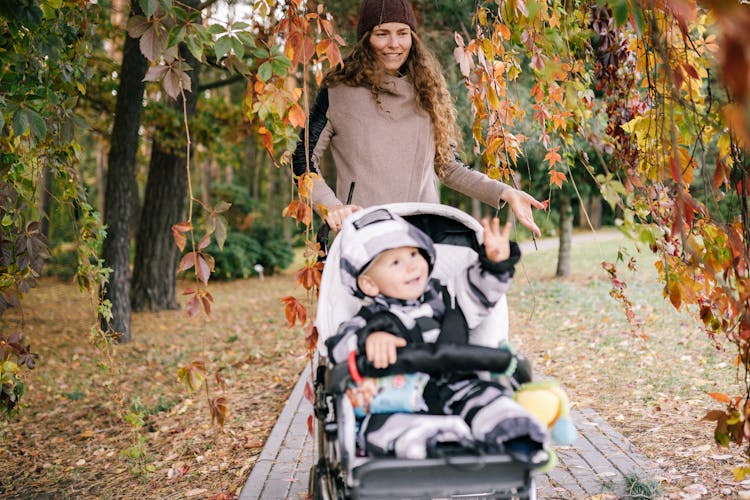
[399, 273]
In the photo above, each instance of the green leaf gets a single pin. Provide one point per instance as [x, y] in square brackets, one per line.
[238, 47]
[215, 29]
[55, 4]
[280, 66]
[220, 232]
[166, 4]
[148, 7]
[223, 44]
[265, 71]
[2, 122]
[20, 122]
[195, 47]
[222, 206]
[246, 38]
[36, 122]
[176, 35]
[621, 11]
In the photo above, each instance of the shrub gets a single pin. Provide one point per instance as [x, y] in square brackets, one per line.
[237, 260]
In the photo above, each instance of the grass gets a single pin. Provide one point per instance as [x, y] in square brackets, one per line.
[652, 389]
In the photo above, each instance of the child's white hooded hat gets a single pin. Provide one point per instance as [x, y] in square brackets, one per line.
[368, 233]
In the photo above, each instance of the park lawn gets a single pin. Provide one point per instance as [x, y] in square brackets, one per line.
[71, 437]
[651, 386]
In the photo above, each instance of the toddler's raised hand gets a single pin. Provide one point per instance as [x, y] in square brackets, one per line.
[496, 240]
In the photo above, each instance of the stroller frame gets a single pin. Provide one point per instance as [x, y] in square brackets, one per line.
[338, 473]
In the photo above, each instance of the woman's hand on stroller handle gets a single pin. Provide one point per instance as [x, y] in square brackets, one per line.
[380, 348]
[336, 214]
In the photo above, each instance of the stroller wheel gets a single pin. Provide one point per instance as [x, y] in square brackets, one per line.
[318, 487]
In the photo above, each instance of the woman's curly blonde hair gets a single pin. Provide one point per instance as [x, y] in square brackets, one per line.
[360, 69]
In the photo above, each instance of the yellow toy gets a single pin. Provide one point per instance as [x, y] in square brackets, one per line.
[548, 402]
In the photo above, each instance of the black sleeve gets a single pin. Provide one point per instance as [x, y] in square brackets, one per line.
[507, 265]
[316, 125]
[385, 322]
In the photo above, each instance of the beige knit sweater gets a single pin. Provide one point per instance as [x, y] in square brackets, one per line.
[388, 149]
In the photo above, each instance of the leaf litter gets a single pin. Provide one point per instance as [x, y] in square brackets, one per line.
[71, 437]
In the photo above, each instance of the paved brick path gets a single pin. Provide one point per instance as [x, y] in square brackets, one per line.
[601, 456]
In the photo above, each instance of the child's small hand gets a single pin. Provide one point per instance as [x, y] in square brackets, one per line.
[496, 241]
[380, 348]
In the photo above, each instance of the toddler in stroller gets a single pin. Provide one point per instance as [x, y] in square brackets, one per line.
[450, 432]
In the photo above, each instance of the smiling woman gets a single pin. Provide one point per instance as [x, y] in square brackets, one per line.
[389, 120]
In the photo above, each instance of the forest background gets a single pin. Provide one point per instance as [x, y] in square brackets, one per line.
[642, 105]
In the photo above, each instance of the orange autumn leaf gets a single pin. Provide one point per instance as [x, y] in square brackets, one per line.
[720, 397]
[299, 211]
[296, 116]
[309, 276]
[557, 178]
[553, 157]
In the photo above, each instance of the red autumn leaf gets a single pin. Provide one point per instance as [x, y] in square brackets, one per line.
[690, 70]
[218, 408]
[327, 26]
[206, 305]
[178, 231]
[721, 174]
[202, 269]
[266, 138]
[193, 305]
[334, 55]
[205, 241]
[309, 393]
[310, 425]
[209, 260]
[311, 337]
[309, 276]
[294, 311]
[154, 41]
[188, 261]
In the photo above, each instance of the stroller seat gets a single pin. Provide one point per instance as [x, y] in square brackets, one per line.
[342, 469]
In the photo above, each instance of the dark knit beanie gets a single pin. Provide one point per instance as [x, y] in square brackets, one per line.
[375, 12]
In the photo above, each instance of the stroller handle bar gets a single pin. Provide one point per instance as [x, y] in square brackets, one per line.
[433, 359]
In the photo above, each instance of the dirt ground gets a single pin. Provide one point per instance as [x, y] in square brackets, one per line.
[95, 426]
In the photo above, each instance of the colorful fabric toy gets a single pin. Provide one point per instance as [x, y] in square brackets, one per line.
[548, 402]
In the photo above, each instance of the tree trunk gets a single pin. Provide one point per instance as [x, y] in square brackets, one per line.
[45, 202]
[101, 166]
[156, 255]
[120, 178]
[566, 237]
[206, 182]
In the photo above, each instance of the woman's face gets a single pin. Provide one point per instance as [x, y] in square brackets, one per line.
[391, 43]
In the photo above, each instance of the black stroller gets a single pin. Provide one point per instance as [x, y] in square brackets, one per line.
[342, 469]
